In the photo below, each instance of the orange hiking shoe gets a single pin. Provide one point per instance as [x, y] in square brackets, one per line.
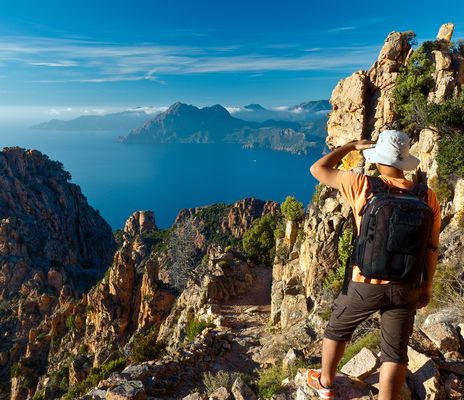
[314, 382]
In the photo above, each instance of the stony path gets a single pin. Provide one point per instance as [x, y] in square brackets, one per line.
[247, 316]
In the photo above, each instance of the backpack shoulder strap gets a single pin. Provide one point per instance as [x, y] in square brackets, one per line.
[376, 185]
[420, 190]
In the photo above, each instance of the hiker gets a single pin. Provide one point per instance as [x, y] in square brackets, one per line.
[410, 285]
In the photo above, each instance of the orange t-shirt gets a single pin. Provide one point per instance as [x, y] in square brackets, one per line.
[353, 188]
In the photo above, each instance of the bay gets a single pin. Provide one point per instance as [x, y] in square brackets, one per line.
[118, 179]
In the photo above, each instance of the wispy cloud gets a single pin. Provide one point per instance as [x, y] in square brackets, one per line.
[341, 29]
[78, 60]
[55, 64]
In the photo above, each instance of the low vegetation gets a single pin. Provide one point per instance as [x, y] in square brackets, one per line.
[448, 290]
[371, 340]
[259, 240]
[195, 327]
[335, 278]
[269, 381]
[145, 347]
[412, 88]
[225, 379]
[95, 375]
[292, 209]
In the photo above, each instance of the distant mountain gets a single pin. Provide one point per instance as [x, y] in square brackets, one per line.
[183, 123]
[254, 107]
[317, 106]
[119, 122]
[306, 111]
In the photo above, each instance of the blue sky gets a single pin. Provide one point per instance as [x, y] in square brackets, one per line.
[66, 57]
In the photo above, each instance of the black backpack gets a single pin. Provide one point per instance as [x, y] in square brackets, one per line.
[394, 233]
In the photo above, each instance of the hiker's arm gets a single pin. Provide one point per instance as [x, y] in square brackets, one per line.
[324, 169]
[426, 286]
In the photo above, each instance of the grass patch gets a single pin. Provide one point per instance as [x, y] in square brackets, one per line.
[269, 380]
[195, 327]
[371, 341]
[225, 379]
[95, 375]
[145, 347]
[448, 290]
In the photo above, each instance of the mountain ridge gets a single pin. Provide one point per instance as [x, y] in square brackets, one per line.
[185, 123]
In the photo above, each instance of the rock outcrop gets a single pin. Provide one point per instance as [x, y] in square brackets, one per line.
[53, 247]
[362, 108]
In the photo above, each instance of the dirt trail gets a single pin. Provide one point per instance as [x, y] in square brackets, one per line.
[247, 315]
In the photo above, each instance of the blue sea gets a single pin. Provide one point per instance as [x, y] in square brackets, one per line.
[118, 179]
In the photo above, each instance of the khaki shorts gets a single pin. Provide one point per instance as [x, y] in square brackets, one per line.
[397, 306]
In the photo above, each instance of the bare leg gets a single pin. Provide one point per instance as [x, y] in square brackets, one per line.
[392, 377]
[332, 352]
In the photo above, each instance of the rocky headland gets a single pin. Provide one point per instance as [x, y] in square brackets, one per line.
[184, 123]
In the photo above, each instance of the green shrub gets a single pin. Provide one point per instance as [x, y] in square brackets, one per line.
[225, 379]
[279, 231]
[371, 341]
[269, 380]
[70, 322]
[317, 194]
[259, 240]
[345, 246]
[282, 253]
[223, 264]
[195, 327]
[228, 249]
[292, 209]
[38, 396]
[450, 155]
[145, 347]
[95, 375]
[335, 278]
[447, 116]
[448, 290]
[14, 371]
[27, 383]
[413, 85]
[442, 189]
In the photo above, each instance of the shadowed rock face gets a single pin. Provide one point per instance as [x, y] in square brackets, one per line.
[53, 246]
[46, 225]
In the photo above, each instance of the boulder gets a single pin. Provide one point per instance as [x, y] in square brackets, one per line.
[424, 376]
[446, 32]
[441, 333]
[136, 372]
[193, 396]
[241, 391]
[140, 222]
[78, 369]
[362, 364]
[220, 394]
[374, 381]
[291, 357]
[126, 390]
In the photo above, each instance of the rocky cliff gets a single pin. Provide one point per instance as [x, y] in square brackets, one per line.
[363, 105]
[53, 247]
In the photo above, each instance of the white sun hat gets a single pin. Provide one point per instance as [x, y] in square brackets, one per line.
[392, 148]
